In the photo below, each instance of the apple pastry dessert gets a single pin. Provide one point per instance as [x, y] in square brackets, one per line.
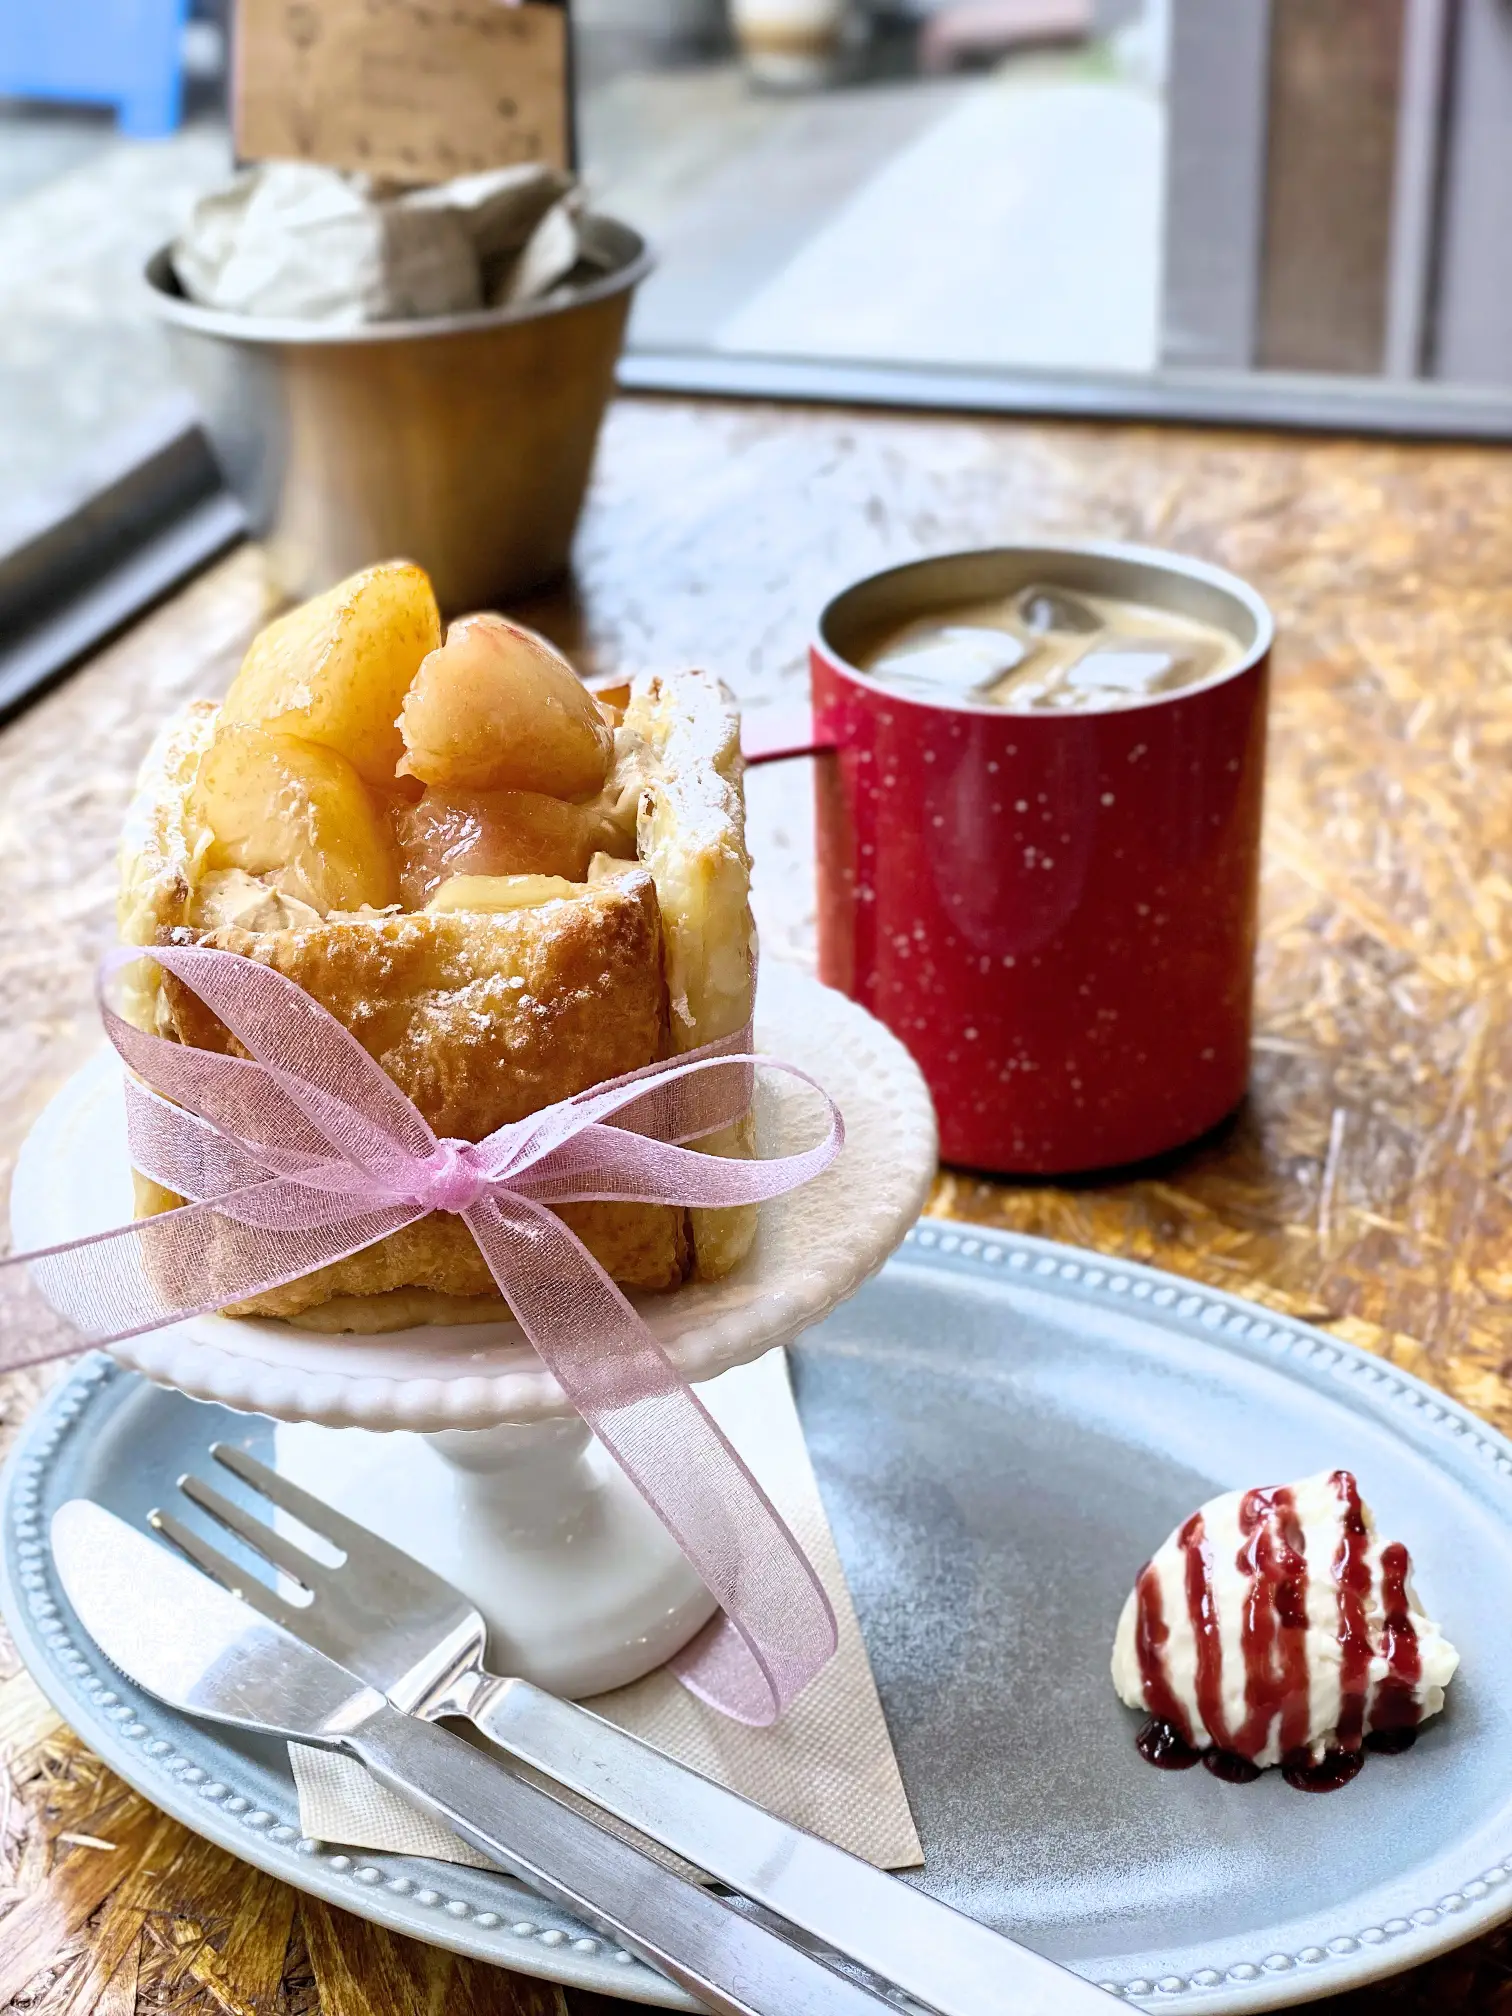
[507, 888]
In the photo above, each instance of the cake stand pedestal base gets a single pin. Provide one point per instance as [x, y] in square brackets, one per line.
[581, 1586]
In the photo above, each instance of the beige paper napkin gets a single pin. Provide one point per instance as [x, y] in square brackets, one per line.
[827, 1766]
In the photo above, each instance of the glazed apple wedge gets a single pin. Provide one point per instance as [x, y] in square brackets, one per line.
[497, 709]
[480, 833]
[297, 814]
[335, 671]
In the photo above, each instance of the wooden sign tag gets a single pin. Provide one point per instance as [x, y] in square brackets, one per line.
[412, 90]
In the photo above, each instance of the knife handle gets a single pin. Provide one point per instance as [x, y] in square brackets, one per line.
[732, 1963]
[948, 1960]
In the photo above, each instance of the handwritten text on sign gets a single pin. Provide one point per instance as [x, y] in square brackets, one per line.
[416, 90]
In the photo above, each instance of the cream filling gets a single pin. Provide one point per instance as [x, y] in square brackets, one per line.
[231, 899]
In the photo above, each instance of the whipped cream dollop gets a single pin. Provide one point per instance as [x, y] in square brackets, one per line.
[1276, 1627]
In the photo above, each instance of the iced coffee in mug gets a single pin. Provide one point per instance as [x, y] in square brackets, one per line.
[1039, 840]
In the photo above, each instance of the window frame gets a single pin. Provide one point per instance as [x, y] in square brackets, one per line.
[133, 522]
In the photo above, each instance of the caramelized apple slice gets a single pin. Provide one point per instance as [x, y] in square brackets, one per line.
[296, 814]
[336, 670]
[496, 709]
[487, 833]
[494, 894]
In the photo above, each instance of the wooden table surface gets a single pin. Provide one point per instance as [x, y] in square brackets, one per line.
[1365, 1186]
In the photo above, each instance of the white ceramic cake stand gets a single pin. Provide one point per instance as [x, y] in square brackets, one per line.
[455, 1442]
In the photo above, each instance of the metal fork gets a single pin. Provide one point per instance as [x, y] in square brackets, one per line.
[408, 1632]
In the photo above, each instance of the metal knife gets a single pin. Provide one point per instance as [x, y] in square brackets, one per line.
[208, 1654]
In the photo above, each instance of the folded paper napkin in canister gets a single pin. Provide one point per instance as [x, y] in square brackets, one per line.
[827, 1766]
[297, 240]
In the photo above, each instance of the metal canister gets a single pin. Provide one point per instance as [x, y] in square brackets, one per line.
[463, 442]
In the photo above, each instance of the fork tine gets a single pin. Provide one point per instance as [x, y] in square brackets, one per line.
[254, 1532]
[225, 1571]
[315, 1513]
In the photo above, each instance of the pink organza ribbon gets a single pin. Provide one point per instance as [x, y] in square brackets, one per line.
[306, 1151]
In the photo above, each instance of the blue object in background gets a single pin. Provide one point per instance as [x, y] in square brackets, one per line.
[125, 53]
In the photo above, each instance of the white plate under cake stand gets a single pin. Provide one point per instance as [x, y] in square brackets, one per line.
[456, 1442]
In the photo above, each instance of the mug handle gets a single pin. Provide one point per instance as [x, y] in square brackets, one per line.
[771, 735]
[777, 734]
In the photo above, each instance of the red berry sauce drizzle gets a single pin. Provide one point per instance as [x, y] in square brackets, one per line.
[1273, 1640]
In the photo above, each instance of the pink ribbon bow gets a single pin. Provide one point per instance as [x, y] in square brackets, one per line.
[306, 1151]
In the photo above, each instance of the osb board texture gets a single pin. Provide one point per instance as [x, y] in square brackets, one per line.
[1362, 1187]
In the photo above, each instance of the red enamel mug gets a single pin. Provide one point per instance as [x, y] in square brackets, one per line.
[1055, 912]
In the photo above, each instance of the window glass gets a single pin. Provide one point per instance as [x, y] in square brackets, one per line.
[978, 183]
[82, 204]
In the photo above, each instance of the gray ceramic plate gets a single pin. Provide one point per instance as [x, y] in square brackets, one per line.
[1003, 1430]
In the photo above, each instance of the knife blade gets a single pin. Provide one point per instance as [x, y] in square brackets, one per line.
[208, 1654]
